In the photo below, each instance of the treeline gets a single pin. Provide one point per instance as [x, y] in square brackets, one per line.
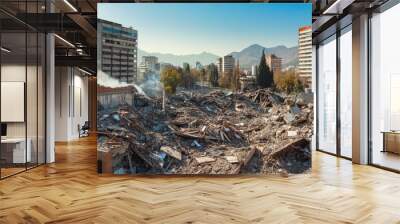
[287, 81]
[174, 76]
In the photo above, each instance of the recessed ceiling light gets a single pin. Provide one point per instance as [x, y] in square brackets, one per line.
[70, 5]
[84, 71]
[5, 50]
[64, 40]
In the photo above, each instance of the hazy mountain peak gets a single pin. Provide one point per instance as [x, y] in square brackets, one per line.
[247, 56]
[251, 55]
[255, 46]
[204, 57]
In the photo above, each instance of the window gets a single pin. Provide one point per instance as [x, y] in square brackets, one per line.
[326, 105]
[385, 89]
[22, 75]
[346, 92]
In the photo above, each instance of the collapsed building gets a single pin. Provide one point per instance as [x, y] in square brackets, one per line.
[217, 132]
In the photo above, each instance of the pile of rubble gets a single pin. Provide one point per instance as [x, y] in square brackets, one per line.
[209, 133]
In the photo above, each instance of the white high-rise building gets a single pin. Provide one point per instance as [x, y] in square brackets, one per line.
[254, 70]
[228, 64]
[305, 54]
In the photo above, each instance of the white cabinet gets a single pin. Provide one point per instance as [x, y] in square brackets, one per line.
[19, 155]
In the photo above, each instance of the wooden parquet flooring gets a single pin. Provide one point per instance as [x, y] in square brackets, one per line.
[70, 191]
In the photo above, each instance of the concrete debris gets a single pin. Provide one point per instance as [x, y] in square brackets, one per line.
[292, 133]
[196, 143]
[293, 157]
[232, 159]
[208, 132]
[204, 159]
[172, 152]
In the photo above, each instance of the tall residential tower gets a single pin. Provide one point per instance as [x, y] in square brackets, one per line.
[305, 54]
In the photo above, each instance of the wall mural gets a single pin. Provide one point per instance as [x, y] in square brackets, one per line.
[204, 88]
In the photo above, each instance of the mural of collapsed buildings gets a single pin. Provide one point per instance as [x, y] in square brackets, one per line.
[201, 113]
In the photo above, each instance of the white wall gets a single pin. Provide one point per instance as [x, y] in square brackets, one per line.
[71, 94]
[10, 73]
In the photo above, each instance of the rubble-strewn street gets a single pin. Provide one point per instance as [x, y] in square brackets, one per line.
[216, 132]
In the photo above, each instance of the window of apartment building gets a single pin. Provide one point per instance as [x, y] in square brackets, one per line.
[385, 89]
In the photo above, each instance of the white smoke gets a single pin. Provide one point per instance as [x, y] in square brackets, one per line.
[152, 85]
[103, 79]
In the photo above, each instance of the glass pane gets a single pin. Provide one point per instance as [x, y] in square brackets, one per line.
[385, 84]
[41, 99]
[31, 99]
[13, 87]
[346, 93]
[327, 96]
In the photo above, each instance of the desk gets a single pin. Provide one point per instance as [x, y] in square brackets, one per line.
[13, 150]
[391, 141]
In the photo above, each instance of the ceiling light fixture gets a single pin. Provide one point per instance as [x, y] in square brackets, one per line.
[64, 40]
[337, 7]
[84, 71]
[5, 50]
[70, 5]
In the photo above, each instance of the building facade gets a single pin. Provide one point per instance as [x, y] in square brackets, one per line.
[228, 64]
[254, 70]
[149, 64]
[274, 63]
[219, 65]
[305, 55]
[117, 51]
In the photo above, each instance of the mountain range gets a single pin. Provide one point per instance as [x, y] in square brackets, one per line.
[204, 58]
[247, 57]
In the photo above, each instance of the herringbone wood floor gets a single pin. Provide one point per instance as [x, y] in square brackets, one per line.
[70, 191]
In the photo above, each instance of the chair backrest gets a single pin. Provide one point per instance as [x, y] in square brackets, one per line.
[86, 125]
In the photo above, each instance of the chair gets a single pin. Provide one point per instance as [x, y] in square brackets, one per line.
[84, 130]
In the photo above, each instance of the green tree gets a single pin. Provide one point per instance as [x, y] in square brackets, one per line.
[264, 77]
[225, 80]
[188, 79]
[289, 82]
[236, 78]
[203, 75]
[171, 78]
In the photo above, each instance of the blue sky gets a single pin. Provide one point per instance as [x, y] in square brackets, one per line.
[216, 28]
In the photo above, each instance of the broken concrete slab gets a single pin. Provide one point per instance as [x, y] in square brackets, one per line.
[289, 118]
[172, 152]
[232, 159]
[204, 159]
[292, 133]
